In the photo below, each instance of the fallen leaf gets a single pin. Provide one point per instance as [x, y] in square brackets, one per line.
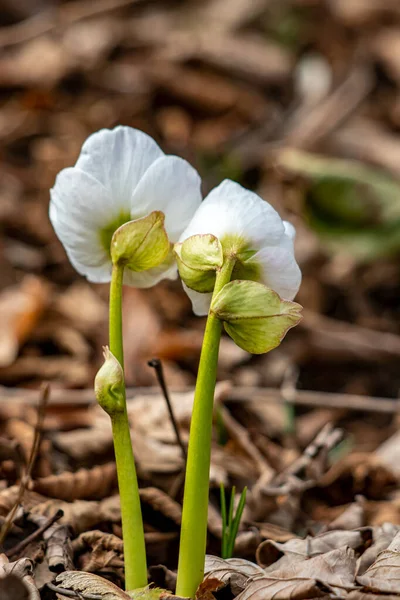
[84, 484]
[88, 583]
[384, 574]
[284, 589]
[273, 555]
[23, 570]
[21, 308]
[232, 571]
[382, 536]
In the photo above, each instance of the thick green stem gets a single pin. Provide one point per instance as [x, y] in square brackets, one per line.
[131, 514]
[195, 502]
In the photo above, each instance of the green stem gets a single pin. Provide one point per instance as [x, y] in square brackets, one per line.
[131, 514]
[195, 502]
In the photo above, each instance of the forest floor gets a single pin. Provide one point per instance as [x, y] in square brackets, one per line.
[300, 101]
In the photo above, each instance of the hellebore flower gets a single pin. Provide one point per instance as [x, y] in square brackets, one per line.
[122, 176]
[249, 230]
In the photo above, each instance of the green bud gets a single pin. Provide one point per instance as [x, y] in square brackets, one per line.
[109, 384]
[198, 258]
[141, 244]
[255, 317]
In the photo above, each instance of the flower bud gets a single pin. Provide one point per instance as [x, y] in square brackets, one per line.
[109, 384]
[198, 258]
[141, 244]
[255, 317]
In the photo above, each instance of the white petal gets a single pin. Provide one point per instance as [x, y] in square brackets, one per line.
[146, 279]
[80, 206]
[118, 158]
[200, 302]
[279, 270]
[230, 209]
[290, 230]
[171, 185]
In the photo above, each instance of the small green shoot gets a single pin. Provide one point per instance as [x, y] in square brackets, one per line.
[230, 523]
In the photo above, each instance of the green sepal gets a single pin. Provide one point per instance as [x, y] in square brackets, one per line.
[198, 258]
[203, 252]
[148, 593]
[254, 316]
[141, 244]
[109, 384]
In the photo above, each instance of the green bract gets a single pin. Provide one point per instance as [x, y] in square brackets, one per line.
[198, 258]
[109, 385]
[141, 244]
[255, 317]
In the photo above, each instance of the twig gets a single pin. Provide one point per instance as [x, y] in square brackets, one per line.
[73, 593]
[241, 393]
[36, 534]
[25, 479]
[157, 366]
[50, 19]
[288, 391]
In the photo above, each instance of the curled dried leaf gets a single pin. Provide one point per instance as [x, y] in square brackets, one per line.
[88, 583]
[95, 483]
[384, 574]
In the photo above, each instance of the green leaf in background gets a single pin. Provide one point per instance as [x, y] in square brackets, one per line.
[254, 316]
[354, 208]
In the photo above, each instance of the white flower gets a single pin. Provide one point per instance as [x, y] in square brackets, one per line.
[120, 175]
[252, 230]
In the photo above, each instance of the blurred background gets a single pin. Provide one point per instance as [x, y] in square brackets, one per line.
[298, 100]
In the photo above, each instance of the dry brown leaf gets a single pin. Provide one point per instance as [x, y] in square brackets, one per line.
[20, 308]
[274, 555]
[360, 595]
[274, 532]
[264, 588]
[384, 574]
[382, 536]
[80, 515]
[83, 307]
[87, 444]
[352, 517]
[59, 553]
[90, 539]
[23, 570]
[247, 542]
[365, 474]
[85, 484]
[9, 496]
[161, 502]
[206, 589]
[232, 571]
[88, 583]
[311, 578]
[335, 568]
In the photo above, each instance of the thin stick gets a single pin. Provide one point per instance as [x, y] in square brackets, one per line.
[25, 479]
[241, 394]
[36, 534]
[157, 366]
